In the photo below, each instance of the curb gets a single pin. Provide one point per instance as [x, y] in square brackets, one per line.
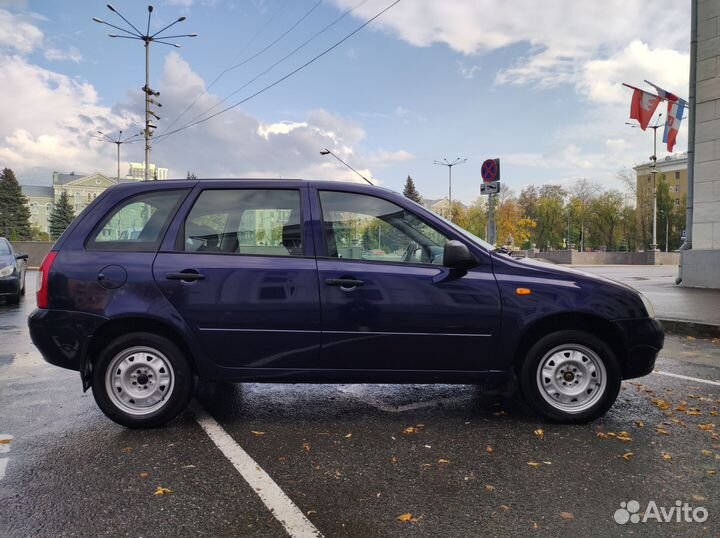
[690, 328]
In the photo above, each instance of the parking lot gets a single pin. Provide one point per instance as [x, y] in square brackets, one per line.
[355, 460]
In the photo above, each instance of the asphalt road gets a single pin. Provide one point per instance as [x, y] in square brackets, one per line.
[339, 460]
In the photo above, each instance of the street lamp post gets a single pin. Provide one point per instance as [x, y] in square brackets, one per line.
[653, 171]
[119, 141]
[328, 152]
[450, 165]
[146, 38]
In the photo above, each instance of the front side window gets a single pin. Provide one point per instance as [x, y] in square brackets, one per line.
[362, 227]
[137, 224]
[260, 222]
[4, 248]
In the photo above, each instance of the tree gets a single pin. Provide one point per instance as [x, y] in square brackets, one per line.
[606, 218]
[61, 216]
[512, 228]
[551, 221]
[14, 212]
[473, 218]
[411, 192]
[581, 196]
[191, 175]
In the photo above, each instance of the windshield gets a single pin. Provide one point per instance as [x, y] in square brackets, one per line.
[4, 248]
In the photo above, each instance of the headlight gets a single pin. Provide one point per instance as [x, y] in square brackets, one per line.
[7, 270]
[648, 305]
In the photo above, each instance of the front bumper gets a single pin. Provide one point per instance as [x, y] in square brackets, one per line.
[643, 340]
[63, 336]
[9, 285]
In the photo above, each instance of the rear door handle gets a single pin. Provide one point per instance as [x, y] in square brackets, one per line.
[346, 283]
[187, 276]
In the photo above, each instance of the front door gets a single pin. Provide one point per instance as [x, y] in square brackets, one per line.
[244, 278]
[387, 301]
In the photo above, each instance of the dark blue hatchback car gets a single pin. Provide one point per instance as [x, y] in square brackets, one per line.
[157, 284]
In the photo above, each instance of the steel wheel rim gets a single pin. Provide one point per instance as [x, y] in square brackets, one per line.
[139, 380]
[571, 378]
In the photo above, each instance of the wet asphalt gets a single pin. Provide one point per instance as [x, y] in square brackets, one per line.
[473, 462]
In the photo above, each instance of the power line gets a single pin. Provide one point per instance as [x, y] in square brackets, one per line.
[230, 67]
[266, 71]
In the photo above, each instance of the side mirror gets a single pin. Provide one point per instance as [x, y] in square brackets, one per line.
[457, 256]
[21, 256]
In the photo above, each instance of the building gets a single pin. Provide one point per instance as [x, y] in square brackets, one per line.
[672, 169]
[699, 265]
[81, 189]
[137, 172]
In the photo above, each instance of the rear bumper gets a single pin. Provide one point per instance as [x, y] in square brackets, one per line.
[62, 336]
[643, 340]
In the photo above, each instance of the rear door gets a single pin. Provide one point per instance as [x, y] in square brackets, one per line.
[387, 301]
[242, 274]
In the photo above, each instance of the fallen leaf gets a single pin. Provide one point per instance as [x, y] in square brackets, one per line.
[348, 436]
[257, 433]
[535, 525]
[500, 413]
[144, 475]
[666, 456]
[410, 430]
[693, 412]
[489, 488]
[661, 431]
[5, 441]
[505, 507]
[188, 466]
[699, 498]
[394, 459]
[547, 462]
[443, 461]
[533, 464]
[639, 423]
[405, 517]
[713, 413]
[691, 338]
[540, 433]
[162, 491]
[306, 447]
[706, 427]
[712, 472]
[567, 516]
[628, 456]
[707, 452]
[661, 404]
[624, 437]
[311, 512]
[489, 450]
[602, 435]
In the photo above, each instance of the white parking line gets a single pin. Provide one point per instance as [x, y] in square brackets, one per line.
[4, 447]
[688, 378]
[284, 510]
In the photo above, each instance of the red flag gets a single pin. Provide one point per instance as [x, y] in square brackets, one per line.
[643, 107]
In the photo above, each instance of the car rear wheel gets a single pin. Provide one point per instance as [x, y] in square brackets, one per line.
[570, 377]
[142, 380]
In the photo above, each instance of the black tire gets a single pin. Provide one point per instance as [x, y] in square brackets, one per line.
[595, 362]
[168, 365]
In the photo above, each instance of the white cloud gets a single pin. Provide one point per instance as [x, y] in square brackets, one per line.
[467, 72]
[56, 55]
[17, 33]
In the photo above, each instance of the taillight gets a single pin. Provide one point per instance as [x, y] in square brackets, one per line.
[43, 295]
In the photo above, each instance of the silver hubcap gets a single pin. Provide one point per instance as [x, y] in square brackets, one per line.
[139, 380]
[571, 378]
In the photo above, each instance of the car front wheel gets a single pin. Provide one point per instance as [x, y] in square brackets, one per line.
[142, 380]
[570, 377]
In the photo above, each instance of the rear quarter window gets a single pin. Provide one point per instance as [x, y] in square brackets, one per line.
[138, 223]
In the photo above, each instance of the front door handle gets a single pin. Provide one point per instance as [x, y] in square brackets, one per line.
[187, 276]
[345, 283]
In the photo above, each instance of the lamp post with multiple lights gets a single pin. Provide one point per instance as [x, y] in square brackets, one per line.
[119, 141]
[653, 171]
[328, 152]
[133, 33]
[450, 165]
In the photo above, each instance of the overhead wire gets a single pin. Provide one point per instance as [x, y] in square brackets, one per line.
[278, 62]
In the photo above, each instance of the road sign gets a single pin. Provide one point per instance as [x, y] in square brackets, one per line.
[490, 188]
[490, 170]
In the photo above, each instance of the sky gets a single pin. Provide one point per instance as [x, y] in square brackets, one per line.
[536, 84]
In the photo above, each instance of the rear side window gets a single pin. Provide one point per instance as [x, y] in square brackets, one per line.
[259, 222]
[138, 223]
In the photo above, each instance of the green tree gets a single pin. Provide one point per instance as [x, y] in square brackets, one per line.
[473, 218]
[411, 192]
[191, 175]
[61, 216]
[606, 219]
[14, 212]
[551, 218]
